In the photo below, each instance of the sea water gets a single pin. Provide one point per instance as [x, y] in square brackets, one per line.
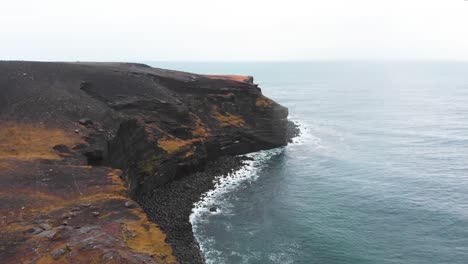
[379, 175]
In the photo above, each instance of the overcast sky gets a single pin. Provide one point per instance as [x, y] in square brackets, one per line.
[220, 30]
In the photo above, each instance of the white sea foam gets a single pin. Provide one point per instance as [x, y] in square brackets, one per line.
[306, 136]
[307, 139]
[226, 184]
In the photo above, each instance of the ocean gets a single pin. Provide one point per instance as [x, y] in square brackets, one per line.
[379, 174]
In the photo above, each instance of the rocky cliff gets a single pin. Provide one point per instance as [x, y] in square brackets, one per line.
[78, 141]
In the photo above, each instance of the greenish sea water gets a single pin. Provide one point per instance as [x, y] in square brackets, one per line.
[379, 175]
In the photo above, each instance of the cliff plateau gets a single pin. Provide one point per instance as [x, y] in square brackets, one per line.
[81, 142]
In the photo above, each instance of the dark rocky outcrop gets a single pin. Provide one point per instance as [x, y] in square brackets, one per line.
[157, 126]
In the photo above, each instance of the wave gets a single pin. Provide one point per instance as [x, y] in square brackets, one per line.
[216, 201]
[306, 137]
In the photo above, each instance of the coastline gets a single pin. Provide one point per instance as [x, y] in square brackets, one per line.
[170, 206]
[103, 133]
[213, 202]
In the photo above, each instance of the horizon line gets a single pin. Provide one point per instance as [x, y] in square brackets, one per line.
[245, 61]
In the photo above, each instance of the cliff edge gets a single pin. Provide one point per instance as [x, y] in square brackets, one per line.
[80, 142]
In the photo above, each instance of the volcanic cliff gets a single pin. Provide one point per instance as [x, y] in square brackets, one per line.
[80, 142]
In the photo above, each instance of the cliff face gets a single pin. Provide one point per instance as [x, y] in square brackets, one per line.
[70, 131]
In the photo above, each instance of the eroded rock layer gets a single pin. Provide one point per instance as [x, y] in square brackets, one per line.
[78, 140]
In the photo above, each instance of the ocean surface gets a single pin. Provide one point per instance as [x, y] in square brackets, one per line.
[379, 175]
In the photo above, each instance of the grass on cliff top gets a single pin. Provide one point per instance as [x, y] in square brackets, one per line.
[33, 141]
[133, 234]
[146, 237]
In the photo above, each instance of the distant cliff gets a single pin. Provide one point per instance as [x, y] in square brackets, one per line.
[78, 140]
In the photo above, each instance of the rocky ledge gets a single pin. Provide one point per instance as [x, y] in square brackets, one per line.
[81, 142]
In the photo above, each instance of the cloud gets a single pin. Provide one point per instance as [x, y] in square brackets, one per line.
[234, 30]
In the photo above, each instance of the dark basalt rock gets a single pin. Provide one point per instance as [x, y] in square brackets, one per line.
[170, 205]
[159, 127]
[85, 122]
[94, 157]
[61, 148]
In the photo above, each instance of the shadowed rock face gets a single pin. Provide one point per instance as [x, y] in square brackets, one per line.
[70, 131]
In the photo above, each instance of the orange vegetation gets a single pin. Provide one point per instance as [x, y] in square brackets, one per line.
[237, 78]
[228, 119]
[189, 153]
[123, 230]
[262, 101]
[173, 145]
[145, 237]
[200, 129]
[28, 141]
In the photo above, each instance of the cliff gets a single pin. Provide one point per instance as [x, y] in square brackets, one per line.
[79, 141]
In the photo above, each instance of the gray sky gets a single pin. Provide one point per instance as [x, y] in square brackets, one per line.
[144, 30]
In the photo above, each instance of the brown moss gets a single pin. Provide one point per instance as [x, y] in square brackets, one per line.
[143, 237]
[200, 132]
[228, 119]
[237, 78]
[263, 101]
[172, 145]
[33, 141]
[146, 237]
[189, 154]
[200, 129]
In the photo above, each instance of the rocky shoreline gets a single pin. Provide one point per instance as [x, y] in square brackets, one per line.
[79, 140]
[171, 205]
